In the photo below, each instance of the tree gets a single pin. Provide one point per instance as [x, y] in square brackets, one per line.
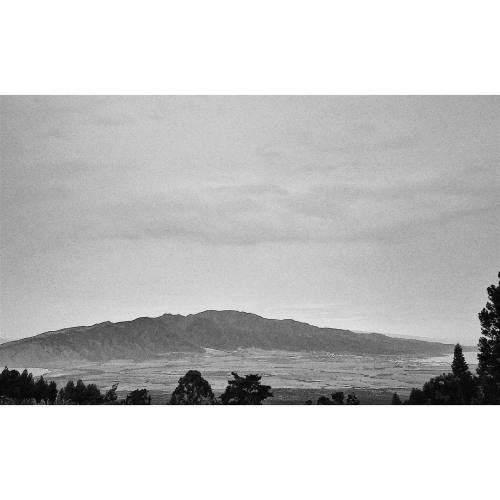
[246, 390]
[26, 386]
[417, 397]
[444, 389]
[138, 397]
[40, 392]
[352, 400]
[323, 400]
[396, 399]
[4, 381]
[66, 395]
[488, 368]
[92, 395]
[467, 382]
[110, 395]
[459, 367]
[52, 392]
[338, 398]
[193, 389]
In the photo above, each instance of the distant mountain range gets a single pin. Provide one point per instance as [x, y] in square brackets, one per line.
[148, 338]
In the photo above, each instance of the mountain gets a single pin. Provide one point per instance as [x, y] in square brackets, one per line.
[3, 340]
[147, 338]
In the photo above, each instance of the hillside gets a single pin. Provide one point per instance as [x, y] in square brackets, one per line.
[147, 338]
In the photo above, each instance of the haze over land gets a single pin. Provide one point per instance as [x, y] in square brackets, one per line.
[365, 213]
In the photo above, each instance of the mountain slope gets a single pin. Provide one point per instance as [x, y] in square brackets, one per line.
[146, 338]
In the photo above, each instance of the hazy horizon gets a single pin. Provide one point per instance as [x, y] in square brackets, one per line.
[365, 213]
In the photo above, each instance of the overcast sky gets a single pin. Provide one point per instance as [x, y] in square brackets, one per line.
[368, 213]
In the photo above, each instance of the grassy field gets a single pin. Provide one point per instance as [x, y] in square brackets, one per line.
[294, 376]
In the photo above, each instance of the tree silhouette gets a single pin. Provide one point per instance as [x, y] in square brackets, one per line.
[193, 389]
[138, 397]
[417, 397]
[467, 382]
[67, 393]
[488, 368]
[323, 400]
[352, 400]
[395, 399]
[52, 392]
[80, 394]
[245, 390]
[459, 367]
[110, 395]
[40, 392]
[444, 389]
[92, 395]
[338, 398]
[26, 386]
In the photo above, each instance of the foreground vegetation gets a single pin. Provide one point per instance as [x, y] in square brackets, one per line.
[460, 386]
[193, 389]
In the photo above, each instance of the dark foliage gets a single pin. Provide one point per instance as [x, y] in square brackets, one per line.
[21, 388]
[459, 367]
[461, 386]
[416, 397]
[193, 389]
[246, 390]
[444, 389]
[323, 400]
[338, 398]
[138, 397]
[352, 400]
[396, 399]
[456, 388]
[80, 394]
[488, 368]
[52, 392]
[110, 396]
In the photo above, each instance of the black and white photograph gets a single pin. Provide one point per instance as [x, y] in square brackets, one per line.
[249, 250]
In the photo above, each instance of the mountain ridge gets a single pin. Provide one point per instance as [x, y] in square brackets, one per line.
[151, 337]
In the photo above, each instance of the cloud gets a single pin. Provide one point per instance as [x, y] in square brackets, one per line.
[240, 171]
[263, 213]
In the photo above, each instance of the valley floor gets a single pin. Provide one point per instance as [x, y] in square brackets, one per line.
[294, 377]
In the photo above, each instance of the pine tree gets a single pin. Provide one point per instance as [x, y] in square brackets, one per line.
[489, 347]
[467, 383]
[459, 367]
